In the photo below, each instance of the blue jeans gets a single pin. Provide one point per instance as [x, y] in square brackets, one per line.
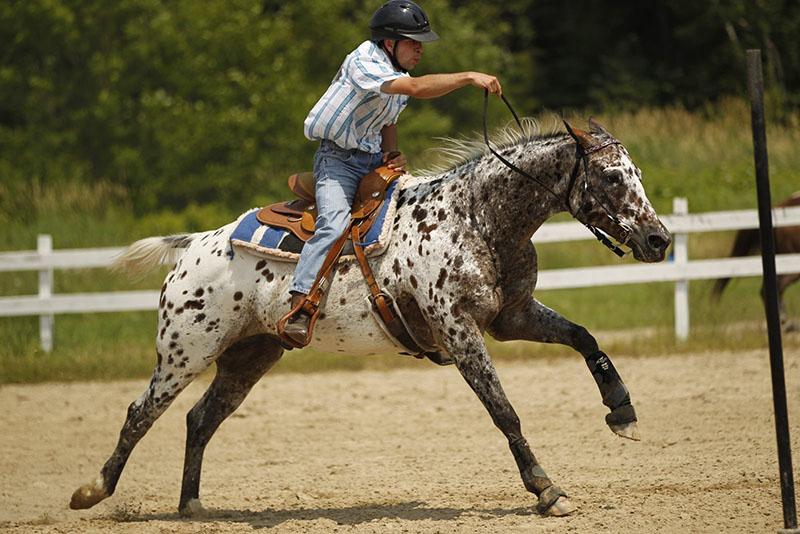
[337, 172]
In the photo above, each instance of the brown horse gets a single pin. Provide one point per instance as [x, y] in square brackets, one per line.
[787, 241]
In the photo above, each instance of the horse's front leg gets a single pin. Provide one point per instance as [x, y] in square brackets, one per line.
[466, 346]
[533, 321]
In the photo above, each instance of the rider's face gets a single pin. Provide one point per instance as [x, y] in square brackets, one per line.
[408, 53]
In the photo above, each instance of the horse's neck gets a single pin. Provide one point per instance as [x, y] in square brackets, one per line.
[510, 207]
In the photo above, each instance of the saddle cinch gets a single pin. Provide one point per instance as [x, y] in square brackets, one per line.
[299, 216]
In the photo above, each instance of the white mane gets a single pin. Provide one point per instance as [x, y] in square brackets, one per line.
[457, 151]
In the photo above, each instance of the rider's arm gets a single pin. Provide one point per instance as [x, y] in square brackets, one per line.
[435, 85]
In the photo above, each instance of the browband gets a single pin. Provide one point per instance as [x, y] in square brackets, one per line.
[601, 146]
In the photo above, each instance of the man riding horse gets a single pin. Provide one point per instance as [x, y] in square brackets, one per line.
[464, 265]
[356, 124]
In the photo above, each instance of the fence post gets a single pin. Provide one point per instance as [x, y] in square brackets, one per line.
[44, 246]
[680, 206]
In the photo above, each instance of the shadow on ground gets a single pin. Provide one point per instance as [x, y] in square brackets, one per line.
[354, 515]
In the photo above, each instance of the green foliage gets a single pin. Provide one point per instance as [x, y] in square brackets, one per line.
[198, 102]
[628, 54]
[203, 102]
[189, 102]
[120, 120]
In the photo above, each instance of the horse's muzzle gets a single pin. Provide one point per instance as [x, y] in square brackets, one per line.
[650, 243]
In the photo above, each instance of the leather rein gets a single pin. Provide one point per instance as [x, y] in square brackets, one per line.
[581, 156]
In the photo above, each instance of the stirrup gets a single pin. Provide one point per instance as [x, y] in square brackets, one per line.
[304, 306]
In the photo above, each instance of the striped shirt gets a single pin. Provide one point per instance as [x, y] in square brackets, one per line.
[353, 110]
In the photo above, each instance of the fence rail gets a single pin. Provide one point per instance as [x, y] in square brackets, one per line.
[680, 270]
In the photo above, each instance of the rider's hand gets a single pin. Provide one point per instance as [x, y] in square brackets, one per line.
[397, 163]
[486, 81]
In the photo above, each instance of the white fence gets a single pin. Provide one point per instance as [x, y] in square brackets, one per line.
[680, 270]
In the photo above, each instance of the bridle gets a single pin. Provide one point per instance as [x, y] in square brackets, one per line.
[581, 156]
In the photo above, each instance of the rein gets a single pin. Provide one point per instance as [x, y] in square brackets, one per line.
[581, 156]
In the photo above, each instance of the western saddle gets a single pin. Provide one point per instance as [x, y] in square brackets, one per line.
[299, 216]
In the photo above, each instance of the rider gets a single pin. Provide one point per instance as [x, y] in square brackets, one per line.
[356, 124]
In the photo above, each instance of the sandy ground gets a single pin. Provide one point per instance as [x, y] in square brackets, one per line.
[414, 451]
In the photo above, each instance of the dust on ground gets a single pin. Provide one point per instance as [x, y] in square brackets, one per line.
[413, 450]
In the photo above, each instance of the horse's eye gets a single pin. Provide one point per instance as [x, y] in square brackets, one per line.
[614, 177]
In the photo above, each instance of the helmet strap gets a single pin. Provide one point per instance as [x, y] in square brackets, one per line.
[393, 55]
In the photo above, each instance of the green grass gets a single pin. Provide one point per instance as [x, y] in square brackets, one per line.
[706, 157]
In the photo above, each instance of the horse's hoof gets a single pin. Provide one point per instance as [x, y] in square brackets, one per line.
[627, 430]
[553, 502]
[88, 495]
[193, 508]
[560, 508]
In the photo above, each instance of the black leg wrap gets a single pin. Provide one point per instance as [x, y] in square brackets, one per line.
[533, 476]
[548, 498]
[621, 415]
[613, 391]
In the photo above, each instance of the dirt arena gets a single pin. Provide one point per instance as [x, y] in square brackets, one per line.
[413, 450]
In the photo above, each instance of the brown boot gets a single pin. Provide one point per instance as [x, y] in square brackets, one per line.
[296, 327]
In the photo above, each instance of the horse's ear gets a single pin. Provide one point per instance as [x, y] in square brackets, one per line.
[596, 127]
[583, 138]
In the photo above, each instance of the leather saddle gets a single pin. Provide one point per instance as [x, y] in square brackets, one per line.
[299, 215]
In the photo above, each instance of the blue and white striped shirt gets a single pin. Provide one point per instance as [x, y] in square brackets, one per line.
[353, 110]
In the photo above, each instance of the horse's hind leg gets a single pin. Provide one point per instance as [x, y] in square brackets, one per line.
[238, 369]
[170, 377]
[533, 321]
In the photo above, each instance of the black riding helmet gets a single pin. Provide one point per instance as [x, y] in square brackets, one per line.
[398, 20]
[401, 19]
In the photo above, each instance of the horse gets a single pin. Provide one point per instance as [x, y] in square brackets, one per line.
[787, 241]
[460, 263]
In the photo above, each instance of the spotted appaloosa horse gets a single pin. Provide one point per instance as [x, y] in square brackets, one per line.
[787, 241]
[460, 263]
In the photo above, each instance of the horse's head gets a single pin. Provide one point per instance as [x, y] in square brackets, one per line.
[606, 192]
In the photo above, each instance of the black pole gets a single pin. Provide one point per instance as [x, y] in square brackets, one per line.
[756, 89]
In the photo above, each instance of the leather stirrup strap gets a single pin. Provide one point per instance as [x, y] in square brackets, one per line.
[381, 303]
[377, 297]
[325, 274]
[310, 304]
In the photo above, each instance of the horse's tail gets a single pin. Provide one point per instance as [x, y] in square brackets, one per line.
[146, 254]
[746, 242]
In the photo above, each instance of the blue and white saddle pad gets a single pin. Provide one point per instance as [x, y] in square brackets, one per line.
[281, 244]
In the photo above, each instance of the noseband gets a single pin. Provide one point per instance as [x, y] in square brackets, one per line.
[581, 156]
